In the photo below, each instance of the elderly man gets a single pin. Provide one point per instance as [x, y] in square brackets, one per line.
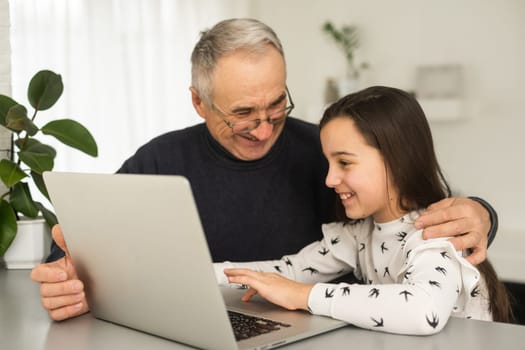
[256, 173]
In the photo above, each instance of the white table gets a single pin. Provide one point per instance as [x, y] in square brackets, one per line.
[25, 325]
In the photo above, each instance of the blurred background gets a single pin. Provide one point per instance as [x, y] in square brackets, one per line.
[126, 70]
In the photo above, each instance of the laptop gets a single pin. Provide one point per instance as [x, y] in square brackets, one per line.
[138, 244]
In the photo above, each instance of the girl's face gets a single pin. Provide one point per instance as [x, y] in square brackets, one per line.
[358, 173]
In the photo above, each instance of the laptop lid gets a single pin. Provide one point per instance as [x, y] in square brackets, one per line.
[138, 244]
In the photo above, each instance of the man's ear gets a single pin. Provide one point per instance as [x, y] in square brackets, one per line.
[198, 103]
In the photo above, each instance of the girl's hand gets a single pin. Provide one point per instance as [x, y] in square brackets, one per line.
[271, 286]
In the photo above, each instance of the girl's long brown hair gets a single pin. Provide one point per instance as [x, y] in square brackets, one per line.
[392, 121]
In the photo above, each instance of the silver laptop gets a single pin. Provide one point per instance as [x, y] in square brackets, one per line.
[138, 244]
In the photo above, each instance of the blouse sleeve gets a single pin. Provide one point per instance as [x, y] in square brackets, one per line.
[314, 263]
[419, 303]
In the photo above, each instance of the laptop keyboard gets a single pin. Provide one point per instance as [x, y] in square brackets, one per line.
[246, 326]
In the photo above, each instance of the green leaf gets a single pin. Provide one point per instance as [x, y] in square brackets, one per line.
[49, 216]
[44, 90]
[26, 144]
[17, 120]
[73, 134]
[6, 102]
[38, 157]
[8, 226]
[39, 182]
[10, 173]
[22, 201]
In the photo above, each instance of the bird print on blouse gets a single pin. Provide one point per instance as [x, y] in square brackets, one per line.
[387, 272]
[373, 293]
[311, 270]
[434, 283]
[406, 293]
[442, 270]
[433, 321]
[412, 285]
[324, 251]
[377, 323]
[401, 236]
[408, 272]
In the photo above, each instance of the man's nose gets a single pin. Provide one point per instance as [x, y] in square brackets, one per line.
[263, 131]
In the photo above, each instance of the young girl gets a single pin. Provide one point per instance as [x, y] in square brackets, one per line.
[383, 167]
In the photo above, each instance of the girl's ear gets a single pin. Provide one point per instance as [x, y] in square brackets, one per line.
[198, 103]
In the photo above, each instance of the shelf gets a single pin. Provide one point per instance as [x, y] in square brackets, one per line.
[442, 109]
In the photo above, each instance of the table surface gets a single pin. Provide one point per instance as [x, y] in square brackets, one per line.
[25, 325]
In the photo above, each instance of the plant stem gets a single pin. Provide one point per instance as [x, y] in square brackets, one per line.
[26, 137]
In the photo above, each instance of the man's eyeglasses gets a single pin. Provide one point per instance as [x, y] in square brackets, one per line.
[275, 115]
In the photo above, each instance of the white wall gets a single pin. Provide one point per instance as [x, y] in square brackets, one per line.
[482, 154]
[5, 51]
[5, 77]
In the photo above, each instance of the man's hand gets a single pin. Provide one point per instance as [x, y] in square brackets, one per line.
[271, 286]
[465, 219]
[61, 291]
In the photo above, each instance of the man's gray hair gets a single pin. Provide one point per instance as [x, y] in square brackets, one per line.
[225, 37]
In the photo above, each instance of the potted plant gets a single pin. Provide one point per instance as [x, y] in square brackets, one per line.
[30, 158]
[346, 38]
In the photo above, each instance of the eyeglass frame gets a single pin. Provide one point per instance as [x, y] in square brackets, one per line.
[258, 121]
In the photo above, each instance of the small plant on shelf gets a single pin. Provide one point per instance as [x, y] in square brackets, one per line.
[347, 39]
